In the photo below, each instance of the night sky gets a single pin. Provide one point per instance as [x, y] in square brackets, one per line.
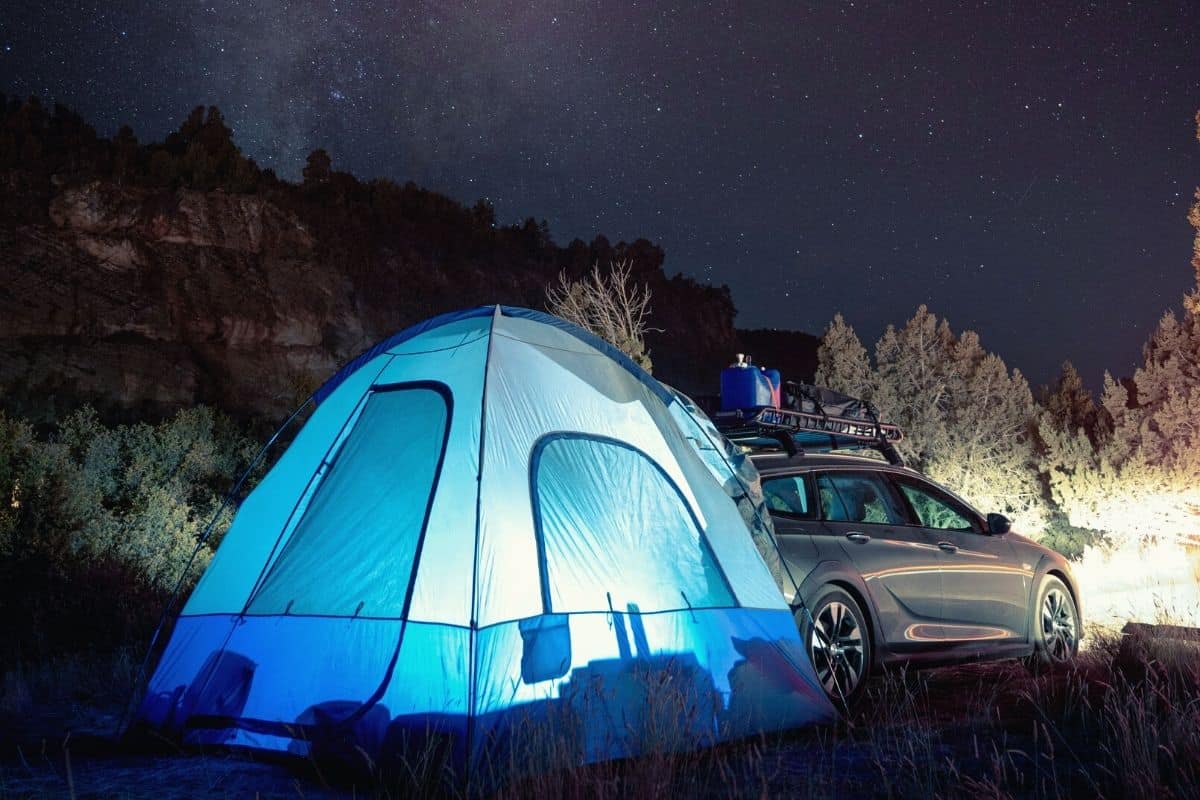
[1024, 172]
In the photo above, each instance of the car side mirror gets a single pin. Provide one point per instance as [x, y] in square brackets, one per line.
[998, 524]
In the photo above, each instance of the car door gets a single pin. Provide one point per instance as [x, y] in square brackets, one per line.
[898, 562]
[984, 589]
[789, 499]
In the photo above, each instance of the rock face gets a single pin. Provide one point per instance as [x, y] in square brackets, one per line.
[150, 300]
[141, 301]
[142, 278]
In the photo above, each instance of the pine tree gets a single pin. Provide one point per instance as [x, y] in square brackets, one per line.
[1168, 395]
[318, 168]
[842, 362]
[968, 421]
[1068, 403]
[1138, 478]
[911, 385]
[1192, 301]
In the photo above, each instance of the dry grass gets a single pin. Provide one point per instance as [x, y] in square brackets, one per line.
[1124, 721]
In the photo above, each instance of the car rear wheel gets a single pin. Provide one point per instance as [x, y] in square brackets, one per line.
[839, 645]
[1055, 626]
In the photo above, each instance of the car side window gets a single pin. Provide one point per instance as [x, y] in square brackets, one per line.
[789, 496]
[832, 508]
[935, 509]
[858, 497]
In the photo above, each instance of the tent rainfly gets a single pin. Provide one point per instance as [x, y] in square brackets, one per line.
[494, 534]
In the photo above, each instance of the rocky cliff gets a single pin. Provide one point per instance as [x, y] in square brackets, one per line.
[144, 278]
[149, 300]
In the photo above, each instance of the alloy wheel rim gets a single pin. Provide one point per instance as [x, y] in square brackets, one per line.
[836, 648]
[1058, 625]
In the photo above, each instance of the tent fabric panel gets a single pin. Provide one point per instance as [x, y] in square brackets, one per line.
[393, 342]
[546, 322]
[443, 583]
[352, 552]
[589, 365]
[743, 668]
[302, 662]
[286, 692]
[437, 354]
[193, 641]
[445, 341]
[673, 680]
[237, 565]
[728, 536]
[533, 391]
[549, 321]
[586, 393]
[283, 678]
[615, 532]
[738, 478]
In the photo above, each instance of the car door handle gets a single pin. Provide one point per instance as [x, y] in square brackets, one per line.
[948, 547]
[858, 538]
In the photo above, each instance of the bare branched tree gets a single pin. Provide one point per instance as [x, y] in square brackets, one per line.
[609, 304]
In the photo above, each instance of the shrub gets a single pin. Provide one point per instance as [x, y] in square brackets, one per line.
[97, 523]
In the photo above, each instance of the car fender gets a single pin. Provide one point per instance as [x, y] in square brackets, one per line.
[1044, 565]
[838, 572]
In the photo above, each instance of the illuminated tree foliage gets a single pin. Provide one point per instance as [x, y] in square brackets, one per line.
[1135, 471]
[842, 361]
[968, 420]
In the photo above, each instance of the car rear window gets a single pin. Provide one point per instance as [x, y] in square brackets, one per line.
[789, 496]
[858, 497]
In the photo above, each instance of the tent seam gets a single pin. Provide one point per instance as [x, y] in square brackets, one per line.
[472, 671]
[508, 621]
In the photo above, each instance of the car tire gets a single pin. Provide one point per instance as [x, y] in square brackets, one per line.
[1055, 626]
[838, 641]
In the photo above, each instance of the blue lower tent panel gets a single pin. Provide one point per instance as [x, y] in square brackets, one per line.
[558, 690]
[553, 690]
[284, 683]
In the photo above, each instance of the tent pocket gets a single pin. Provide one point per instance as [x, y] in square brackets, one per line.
[546, 647]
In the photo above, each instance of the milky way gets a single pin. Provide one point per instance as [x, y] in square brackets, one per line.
[1024, 172]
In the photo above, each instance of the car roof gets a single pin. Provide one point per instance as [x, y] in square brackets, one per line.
[772, 462]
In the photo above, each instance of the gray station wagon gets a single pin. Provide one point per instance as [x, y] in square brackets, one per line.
[894, 569]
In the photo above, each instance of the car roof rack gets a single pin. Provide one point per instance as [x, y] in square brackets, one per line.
[817, 420]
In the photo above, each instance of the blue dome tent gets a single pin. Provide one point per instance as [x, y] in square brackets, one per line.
[491, 524]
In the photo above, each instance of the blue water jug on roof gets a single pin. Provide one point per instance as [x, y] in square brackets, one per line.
[776, 380]
[745, 386]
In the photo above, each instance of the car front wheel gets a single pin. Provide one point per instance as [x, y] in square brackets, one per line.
[1055, 626]
[838, 643]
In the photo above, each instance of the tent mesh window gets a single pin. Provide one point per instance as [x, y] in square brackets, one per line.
[615, 533]
[352, 553]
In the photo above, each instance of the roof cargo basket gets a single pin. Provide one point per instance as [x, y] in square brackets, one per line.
[812, 419]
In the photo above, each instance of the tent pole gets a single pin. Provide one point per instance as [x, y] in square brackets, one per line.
[474, 621]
